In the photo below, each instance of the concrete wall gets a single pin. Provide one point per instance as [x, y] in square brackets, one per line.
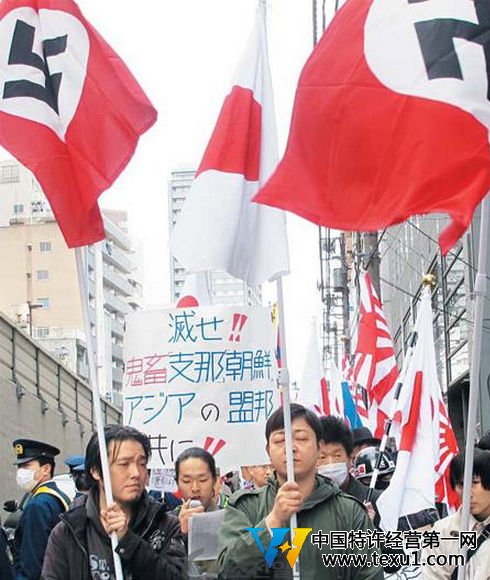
[40, 399]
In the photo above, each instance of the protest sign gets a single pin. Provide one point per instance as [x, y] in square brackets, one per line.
[201, 377]
[163, 479]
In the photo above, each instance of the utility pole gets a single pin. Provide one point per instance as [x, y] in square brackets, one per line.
[344, 290]
[371, 258]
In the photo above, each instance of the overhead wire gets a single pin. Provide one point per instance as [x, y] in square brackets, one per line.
[375, 249]
[456, 256]
[403, 258]
[417, 298]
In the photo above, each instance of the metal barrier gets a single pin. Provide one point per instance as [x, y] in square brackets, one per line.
[33, 370]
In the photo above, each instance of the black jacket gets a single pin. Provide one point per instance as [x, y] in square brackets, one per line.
[152, 548]
[6, 568]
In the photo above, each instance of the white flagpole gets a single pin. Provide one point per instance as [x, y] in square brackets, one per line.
[99, 423]
[479, 291]
[286, 398]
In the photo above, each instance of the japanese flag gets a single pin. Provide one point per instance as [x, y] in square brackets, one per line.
[219, 228]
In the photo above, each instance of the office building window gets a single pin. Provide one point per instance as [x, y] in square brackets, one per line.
[44, 302]
[18, 208]
[45, 247]
[9, 174]
[42, 332]
[42, 275]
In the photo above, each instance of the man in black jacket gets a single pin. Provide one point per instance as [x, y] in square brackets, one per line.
[150, 543]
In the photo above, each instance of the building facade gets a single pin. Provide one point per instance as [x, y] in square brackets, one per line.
[410, 250]
[40, 290]
[223, 288]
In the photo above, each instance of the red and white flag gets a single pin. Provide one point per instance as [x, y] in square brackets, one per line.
[70, 110]
[195, 291]
[219, 228]
[448, 449]
[375, 366]
[359, 398]
[391, 118]
[418, 420]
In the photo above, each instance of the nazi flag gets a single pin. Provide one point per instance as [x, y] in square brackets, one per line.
[391, 118]
[70, 110]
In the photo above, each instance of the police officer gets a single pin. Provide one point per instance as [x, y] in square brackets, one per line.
[76, 464]
[41, 510]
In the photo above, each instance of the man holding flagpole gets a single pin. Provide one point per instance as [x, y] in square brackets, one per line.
[250, 546]
[150, 543]
[478, 558]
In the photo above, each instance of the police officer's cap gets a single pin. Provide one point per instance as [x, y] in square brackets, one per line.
[73, 461]
[28, 449]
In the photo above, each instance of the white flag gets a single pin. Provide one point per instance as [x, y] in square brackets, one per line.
[219, 227]
[334, 380]
[416, 424]
[310, 387]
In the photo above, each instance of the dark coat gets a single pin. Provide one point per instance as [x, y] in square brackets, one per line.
[152, 548]
[360, 491]
[6, 568]
[40, 515]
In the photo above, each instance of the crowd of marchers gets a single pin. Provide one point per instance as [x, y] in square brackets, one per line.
[58, 537]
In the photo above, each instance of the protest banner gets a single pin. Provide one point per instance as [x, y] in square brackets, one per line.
[201, 377]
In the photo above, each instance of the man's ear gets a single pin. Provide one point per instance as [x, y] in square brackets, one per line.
[46, 470]
[95, 474]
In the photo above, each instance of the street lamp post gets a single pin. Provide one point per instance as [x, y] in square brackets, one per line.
[32, 306]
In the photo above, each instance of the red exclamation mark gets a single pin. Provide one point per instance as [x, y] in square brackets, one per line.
[236, 319]
[243, 319]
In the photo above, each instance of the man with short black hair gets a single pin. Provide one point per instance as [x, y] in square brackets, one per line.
[317, 502]
[484, 442]
[150, 543]
[336, 459]
[42, 507]
[478, 561]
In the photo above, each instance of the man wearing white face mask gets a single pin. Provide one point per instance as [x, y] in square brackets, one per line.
[335, 460]
[35, 469]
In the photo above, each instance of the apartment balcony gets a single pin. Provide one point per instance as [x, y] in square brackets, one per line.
[117, 378]
[117, 352]
[112, 231]
[117, 281]
[116, 304]
[117, 328]
[117, 258]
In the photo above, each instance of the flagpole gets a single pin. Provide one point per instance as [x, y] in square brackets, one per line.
[97, 407]
[286, 397]
[479, 292]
